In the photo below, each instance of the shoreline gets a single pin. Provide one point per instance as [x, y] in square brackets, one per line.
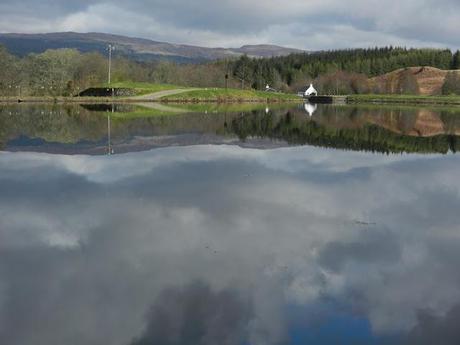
[109, 100]
[404, 99]
[351, 100]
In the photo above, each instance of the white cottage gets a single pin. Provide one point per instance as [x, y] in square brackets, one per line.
[311, 91]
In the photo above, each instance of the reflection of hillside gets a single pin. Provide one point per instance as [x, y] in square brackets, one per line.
[74, 124]
[53, 123]
[357, 129]
[409, 121]
[382, 129]
[425, 123]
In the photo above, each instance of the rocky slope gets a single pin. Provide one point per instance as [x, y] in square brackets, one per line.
[429, 80]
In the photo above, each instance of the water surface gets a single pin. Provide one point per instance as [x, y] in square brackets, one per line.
[246, 226]
[100, 129]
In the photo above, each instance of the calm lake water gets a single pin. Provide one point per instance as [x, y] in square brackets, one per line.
[238, 225]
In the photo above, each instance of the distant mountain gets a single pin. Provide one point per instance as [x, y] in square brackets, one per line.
[265, 50]
[135, 48]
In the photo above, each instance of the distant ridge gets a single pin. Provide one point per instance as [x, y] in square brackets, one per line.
[131, 47]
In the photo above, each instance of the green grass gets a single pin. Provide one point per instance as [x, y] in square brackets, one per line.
[193, 95]
[184, 108]
[143, 88]
[405, 99]
[230, 95]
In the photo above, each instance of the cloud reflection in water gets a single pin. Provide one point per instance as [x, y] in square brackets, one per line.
[97, 250]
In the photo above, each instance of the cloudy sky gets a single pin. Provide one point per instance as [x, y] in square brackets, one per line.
[305, 24]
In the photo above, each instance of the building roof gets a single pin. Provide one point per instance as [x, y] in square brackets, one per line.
[311, 90]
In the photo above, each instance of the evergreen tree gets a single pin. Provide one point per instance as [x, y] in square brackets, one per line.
[243, 70]
[456, 60]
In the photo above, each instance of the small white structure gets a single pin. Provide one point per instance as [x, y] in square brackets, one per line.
[311, 91]
[270, 89]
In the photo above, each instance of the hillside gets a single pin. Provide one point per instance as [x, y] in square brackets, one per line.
[135, 48]
[429, 80]
[297, 70]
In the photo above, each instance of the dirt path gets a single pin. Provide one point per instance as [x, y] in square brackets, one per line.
[158, 95]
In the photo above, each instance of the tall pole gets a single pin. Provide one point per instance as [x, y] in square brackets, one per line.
[226, 74]
[111, 47]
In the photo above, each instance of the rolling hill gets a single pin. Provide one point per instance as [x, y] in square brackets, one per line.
[136, 48]
[429, 80]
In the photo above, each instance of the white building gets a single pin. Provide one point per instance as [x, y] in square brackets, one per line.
[311, 91]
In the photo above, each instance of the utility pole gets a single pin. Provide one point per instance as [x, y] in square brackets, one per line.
[226, 74]
[110, 48]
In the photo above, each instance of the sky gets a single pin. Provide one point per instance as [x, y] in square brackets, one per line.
[304, 24]
[98, 250]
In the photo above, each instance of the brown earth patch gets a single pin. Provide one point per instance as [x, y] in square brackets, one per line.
[429, 79]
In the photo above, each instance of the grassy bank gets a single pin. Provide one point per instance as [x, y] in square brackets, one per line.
[143, 88]
[404, 99]
[230, 95]
[146, 92]
[69, 100]
[58, 99]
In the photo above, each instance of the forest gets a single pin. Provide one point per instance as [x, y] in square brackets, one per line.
[66, 72]
[341, 71]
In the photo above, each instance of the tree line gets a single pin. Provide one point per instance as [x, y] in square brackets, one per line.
[65, 72]
[340, 71]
